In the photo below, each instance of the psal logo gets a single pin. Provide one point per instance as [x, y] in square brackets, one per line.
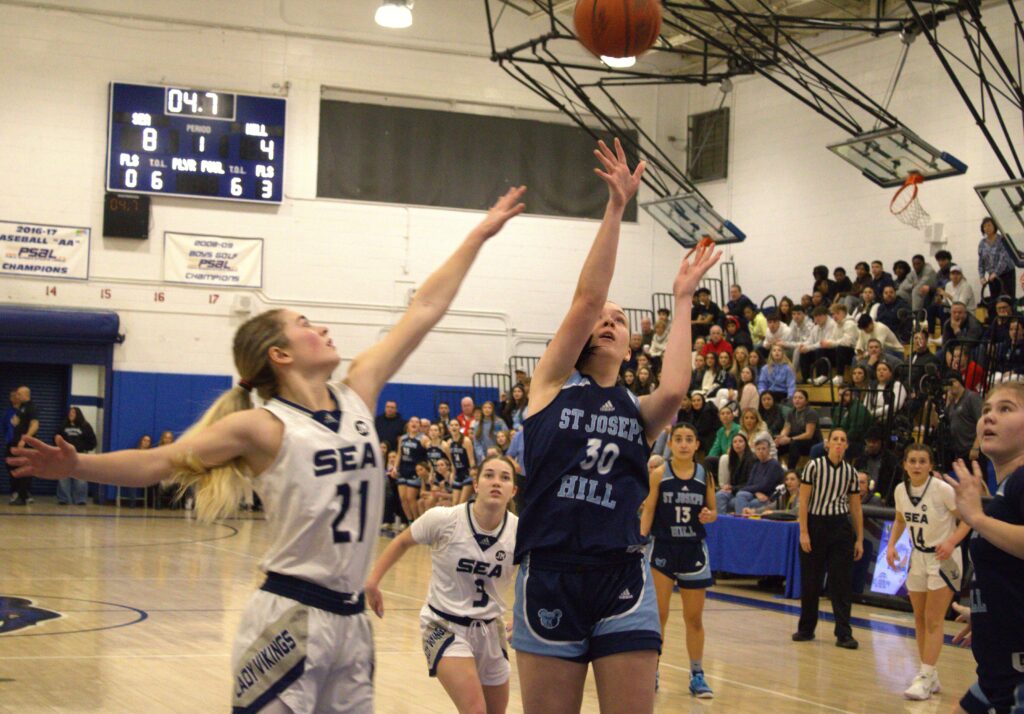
[362, 427]
[17, 613]
[549, 618]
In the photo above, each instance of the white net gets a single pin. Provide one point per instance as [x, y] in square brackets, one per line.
[907, 208]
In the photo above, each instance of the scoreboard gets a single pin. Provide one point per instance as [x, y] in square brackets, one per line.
[178, 141]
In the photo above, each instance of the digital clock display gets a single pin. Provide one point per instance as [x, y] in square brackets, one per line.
[194, 142]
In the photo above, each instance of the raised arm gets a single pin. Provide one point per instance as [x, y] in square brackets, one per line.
[253, 434]
[371, 370]
[657, 409]
[592, 287]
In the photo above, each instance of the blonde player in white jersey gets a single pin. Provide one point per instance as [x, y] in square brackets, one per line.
[471, 555]
[926, 505]
[304, 643]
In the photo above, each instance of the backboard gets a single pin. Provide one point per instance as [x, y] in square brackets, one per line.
[888, 156]
[1005, 203]
[689, 217]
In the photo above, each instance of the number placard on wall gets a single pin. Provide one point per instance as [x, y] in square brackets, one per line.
[43, 251]
[221, 261]
[194, 142]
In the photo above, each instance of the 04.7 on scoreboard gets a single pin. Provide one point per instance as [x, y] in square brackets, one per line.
[193, 142]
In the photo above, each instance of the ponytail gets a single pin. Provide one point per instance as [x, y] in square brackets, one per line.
[220, 489]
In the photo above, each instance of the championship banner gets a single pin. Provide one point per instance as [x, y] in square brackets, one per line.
[213, 260]
[41, 251]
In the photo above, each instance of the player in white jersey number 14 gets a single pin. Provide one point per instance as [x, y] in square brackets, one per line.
[471, 556]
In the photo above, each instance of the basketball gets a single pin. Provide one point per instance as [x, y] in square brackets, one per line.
[617, 28]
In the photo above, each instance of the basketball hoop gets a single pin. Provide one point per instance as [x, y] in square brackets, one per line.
[905, 206]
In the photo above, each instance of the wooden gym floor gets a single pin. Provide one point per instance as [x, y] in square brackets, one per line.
[149, 601]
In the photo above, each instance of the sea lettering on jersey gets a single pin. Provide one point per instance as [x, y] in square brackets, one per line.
[476, 567]
[628, 428]
[331, 461]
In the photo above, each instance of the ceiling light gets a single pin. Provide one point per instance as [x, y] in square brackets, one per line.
[618, 62]
[394, 14]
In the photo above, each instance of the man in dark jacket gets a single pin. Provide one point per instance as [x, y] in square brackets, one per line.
[879, 463]
[390, 424]
[26, 423]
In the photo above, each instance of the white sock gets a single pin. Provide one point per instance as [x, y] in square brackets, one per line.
[928, 669]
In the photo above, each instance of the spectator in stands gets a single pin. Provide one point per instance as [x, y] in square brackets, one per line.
[748, 396]
[754, 362]
[725, 433]
[801, 431]
[777, 376]
[959, 361]
[425, 425]
[740, 359]
[502, 441]
[862, 279]
[26, 423]
[77, 431]
[839, 345]
[810, 350]
[900, 271]
[933, 301]
[733, 472]
[636, 345]
[390, 425]
[706, 419]
[486, 429]
[629, 380]
[765, 476]
[784, 500]
[647, 330]
[963, 410]
[776, 334]
[879, 463]
[961, 326]
[867, 305]
[799, 331]
[998, 330]
[685, 415]
[822, 284]
[444, 414]
[665, 314]
[868, 497]
[860, 379]
[1008, 357]
[756, 324]
[873, 357]
[843, 283]
[656, 347]
[870, 328]
[879, 278]
[818, 299]
[698, 352]
[754, 428]
[645, 382]
[894, 313]
[994, 264]
[736, 334]
[891, 395]
[957, 289]
[737, 304]
[921, 357]
[785, 310]
[807, 301]
[923, 280]
[726, 362]
[850, 415]
[771, 414]
[467, 417]
[514, 411]
[716, 342]
[704, 313]
[722, 389]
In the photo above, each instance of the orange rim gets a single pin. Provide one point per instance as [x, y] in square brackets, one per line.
[911, 182]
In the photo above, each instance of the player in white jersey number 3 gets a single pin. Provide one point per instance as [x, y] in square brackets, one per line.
[304, 643]
[471, 548]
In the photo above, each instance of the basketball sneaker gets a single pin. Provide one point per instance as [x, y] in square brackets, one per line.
[699, 686]
[923, 687]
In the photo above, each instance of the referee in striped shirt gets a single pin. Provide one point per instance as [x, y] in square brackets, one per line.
[828, 495]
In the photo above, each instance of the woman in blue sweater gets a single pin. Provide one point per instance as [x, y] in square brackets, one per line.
[777, 375]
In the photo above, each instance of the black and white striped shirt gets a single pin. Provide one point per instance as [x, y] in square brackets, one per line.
[831, 486]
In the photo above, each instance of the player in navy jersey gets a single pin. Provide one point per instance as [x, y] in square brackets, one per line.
[304, 643]
[460, 448]
[412, 450]
[997, 552]
[436, 449]
[583, 591]
[681, 502]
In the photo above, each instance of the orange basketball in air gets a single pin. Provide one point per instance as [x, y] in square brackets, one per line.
[617, 28]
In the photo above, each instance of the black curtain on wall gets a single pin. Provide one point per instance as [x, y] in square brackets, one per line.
[427, 157]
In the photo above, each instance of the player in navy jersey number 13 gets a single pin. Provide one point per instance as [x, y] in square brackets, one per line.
[997, 553]
[583, 590]
[304, 643]
[681, 502]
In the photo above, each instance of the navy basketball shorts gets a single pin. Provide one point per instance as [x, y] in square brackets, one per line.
[1004, 701]
[411, 482]
[685, 562]
[582, 611]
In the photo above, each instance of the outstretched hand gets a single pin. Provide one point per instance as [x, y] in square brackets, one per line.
[691, 271]
[969, 489]
[505, 208]
[43, 460]
[622, 183]
[374, 598]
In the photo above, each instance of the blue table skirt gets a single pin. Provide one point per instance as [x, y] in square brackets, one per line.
[749, 546]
